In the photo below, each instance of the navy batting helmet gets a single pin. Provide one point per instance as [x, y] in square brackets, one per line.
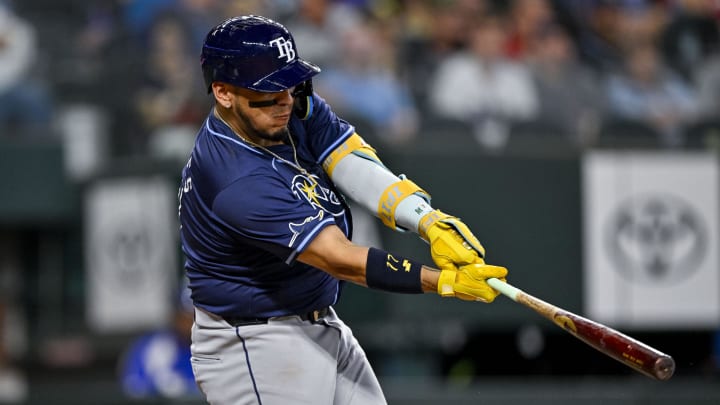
[255, 53]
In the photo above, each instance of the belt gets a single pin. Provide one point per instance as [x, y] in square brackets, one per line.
[312, 317]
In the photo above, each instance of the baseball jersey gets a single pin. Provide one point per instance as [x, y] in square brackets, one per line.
[245, 215]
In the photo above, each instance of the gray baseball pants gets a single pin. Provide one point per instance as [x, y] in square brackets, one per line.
[284, 361]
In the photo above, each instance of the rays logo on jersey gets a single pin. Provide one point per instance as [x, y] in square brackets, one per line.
[321, 198]
[308, 188]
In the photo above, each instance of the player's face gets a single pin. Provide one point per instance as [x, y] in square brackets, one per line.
[267, 123]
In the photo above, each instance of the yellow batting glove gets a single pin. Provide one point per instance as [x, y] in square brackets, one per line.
[469, 282]
[451, 242]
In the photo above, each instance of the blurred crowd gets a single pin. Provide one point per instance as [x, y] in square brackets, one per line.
[587, 72]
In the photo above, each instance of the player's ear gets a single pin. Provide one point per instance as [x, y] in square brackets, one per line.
[223, 93]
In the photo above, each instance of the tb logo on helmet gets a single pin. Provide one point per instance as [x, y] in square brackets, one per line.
[285, 48]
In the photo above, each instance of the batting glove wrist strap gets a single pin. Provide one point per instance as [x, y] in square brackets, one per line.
[388, 272]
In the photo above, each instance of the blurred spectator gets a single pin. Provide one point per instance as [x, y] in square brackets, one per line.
[198, 15]
[574, 110]
[691, 36]
[480, 86]
[105, 55]
[648, 92]
[140, 16]
[25, 103]
[365, 86]
[595, 25]
[233, 8]
[707, 81]
[318, 28]
[154, 47]
[102, 26]
[433, 31]
[527, 17]
[170, 101]
[157, 364]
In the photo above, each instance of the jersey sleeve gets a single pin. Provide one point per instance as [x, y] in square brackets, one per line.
[325, 130]
[268, 215]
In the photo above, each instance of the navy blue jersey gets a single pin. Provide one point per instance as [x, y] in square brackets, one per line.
[245, 215]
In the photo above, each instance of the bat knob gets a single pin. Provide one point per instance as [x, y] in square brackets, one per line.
[664, 368]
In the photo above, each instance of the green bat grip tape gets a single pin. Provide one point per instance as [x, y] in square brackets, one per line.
[504, 288]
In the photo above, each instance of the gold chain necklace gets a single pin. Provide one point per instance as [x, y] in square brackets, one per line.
[296, 164]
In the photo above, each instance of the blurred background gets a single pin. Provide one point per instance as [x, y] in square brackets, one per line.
[579, 139]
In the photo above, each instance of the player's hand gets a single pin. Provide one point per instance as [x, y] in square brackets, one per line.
[469, 282]
[451, 242]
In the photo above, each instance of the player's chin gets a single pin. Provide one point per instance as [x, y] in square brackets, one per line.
[278, 133]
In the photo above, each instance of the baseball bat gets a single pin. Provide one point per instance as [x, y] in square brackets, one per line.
[608, 341]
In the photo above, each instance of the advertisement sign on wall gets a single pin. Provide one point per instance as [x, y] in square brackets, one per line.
[131, 253]
[650, 239]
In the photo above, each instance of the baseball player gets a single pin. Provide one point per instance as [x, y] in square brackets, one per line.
[267, 232]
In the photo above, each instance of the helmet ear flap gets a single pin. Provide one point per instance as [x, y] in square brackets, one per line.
[208, 75]
[303, 104]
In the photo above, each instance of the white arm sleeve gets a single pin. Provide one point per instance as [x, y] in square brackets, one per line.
[364, 181]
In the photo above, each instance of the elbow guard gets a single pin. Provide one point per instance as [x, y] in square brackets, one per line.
[354, 144]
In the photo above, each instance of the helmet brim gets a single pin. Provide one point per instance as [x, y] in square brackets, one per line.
[290, 75]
